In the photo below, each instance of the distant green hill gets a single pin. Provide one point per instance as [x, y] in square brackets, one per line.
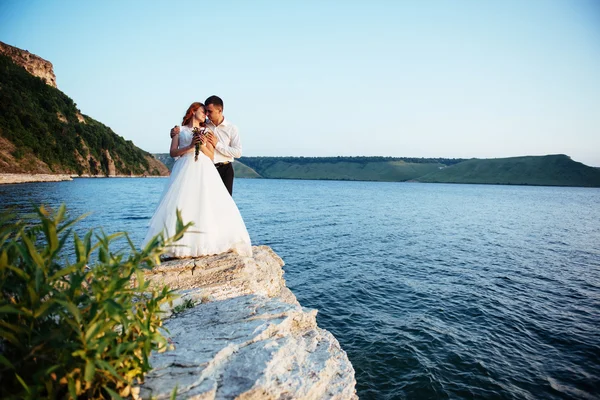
[42, 131]
[345, 168]
[550, 170]
[332, 168]
[243, 171]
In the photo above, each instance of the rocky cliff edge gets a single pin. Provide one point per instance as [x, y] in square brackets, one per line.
[247, 337]
[35, 65]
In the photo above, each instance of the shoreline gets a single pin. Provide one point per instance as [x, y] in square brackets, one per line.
[9, 179]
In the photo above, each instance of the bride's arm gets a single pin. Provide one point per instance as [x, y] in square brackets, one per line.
[175, 151]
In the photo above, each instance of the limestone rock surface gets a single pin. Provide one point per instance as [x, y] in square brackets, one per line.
[247, 337]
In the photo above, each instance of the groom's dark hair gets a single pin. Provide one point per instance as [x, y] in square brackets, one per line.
[215, 101]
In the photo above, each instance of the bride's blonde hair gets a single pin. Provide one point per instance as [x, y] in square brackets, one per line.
[189, 114]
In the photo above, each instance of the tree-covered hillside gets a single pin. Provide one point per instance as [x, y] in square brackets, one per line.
[41, 130]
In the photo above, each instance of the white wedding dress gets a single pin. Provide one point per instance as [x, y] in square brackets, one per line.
[196, 189]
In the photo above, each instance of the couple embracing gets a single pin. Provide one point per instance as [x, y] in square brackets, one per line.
[201, 184]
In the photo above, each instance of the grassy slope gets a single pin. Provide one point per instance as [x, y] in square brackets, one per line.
[370, 171]
[551, 170]
[345, 168]
[244, 171]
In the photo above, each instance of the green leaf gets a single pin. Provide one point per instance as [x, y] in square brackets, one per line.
[32, 252]
[22, 382]
[72, 390]
[3, 259]
[12, 327]
[107, 367]
[113, 394]
[80, 252]
[72, 308]
[179, 224]
[92, 330]
[90, 370]
[4, 361]
[71, 222]
[63, 239]
[132, 246]
[174, 393]
[43, 309]
[52, 369]
[103, 256]
[10, 337]
[63, 272]
[73, 324]
[22, 274]
[33, 291]
[8, 309]
[60, 214]
[87, 240]
[50, 232]
[78, 354]
[112, 307]
[106, 239]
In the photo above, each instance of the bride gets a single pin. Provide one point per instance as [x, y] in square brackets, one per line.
[196, 189]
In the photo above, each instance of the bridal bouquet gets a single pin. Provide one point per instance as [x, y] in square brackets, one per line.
[198, 131]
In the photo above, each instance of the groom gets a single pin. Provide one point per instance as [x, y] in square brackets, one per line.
[225, 140]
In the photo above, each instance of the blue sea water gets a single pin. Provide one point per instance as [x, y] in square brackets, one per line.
[434, 291]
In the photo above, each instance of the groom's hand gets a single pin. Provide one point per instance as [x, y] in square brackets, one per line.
[175, 131]
[212, 138]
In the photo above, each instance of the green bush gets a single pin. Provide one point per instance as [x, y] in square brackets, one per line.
[75, 330]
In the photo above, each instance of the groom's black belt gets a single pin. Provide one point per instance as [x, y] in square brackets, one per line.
[220, 164]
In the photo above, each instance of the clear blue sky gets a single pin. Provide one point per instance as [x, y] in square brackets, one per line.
[325, 78]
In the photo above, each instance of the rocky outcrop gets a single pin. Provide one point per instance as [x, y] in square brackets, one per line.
[112, 170]
[61, 117]
[35, 65]
[246, 338]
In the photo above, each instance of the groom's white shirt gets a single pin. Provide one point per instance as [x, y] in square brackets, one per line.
[229, 145]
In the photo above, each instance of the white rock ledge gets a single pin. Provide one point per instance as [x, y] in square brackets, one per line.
[248, 339]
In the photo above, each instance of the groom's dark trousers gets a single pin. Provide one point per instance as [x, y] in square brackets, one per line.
[226, 172]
